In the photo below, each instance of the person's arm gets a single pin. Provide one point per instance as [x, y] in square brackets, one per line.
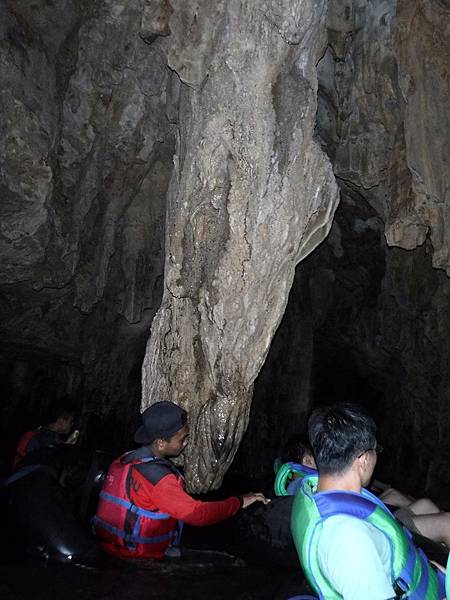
[393, 497]
[168, 494]
[354, 561]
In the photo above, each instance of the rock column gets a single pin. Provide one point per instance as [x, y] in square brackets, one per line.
[251, 195]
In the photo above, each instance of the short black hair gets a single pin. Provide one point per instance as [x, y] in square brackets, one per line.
[297, 447]
[338, 434]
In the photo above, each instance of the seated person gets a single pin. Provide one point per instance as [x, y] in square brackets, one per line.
[349, 544]
[59, 423]
[300, 463]
[143, 497]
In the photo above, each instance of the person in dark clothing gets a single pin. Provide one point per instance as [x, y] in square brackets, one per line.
[143, 500]
[59, 423]
[46, 488]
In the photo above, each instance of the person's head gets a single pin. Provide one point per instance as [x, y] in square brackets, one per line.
[343, 438]
[164, 428]
[60, 416]
[298, 449]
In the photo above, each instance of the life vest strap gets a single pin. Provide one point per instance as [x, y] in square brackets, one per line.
[134, 539]
[404, 580]
[286, 471]
[133, 508]
[415, 580]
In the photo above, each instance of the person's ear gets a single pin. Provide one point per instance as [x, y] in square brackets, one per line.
[309, 461]
[361, 463]
[159, 444]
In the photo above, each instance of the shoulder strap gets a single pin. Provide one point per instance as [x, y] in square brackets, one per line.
[347, 503]
[285, 471]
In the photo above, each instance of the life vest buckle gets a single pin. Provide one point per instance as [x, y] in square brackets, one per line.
[401, 588]
[129, 542]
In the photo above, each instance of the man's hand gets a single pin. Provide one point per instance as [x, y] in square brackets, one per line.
[252, 497]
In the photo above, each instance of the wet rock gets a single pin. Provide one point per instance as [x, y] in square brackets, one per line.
[250, 196]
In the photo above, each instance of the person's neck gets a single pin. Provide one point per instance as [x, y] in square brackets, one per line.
[345, 483]
[157, 454]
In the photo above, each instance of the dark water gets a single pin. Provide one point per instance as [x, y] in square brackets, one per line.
[207, 575]
[248, 557]
[244, 558]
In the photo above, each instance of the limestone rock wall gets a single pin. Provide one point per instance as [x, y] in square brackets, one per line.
[386, 126]
[383, 113]
[250, 196]
[173, 153]
[374, 317]
[84, 168]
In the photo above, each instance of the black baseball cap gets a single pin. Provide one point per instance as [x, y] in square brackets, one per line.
[160, 420]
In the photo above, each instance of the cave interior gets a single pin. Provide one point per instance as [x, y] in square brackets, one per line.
[92, 116]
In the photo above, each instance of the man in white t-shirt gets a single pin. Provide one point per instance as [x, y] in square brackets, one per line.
[339, 548]
[353, 555]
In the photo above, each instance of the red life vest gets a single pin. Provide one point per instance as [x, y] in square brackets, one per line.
[124, 528]
[23, 445]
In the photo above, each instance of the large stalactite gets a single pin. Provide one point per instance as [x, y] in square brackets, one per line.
[250, 196]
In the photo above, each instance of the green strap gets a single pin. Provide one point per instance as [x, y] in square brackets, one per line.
[281, 480]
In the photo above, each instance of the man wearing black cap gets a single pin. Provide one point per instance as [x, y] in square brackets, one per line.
[143, 497]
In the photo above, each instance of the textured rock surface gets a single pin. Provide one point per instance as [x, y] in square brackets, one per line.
[84, 169]
[94, 95]
[387, 129]
[374, 320]
[384, 114]
[250, 196]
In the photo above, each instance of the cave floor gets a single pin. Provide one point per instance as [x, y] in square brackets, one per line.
[208, 576]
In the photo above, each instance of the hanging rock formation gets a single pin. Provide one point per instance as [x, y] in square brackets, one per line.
[384, 114]
[85, 163]
[384, 97]
[250, 196]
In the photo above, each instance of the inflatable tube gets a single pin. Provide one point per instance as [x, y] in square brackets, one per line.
[267, 529]
[258, 533]
[433, 550]
[47, 514]
[92, 486]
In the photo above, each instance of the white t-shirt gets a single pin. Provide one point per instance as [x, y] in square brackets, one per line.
[355, 557]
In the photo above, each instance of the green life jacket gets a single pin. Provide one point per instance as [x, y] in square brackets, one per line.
[285, 474]
[447, 578]
[411, 574]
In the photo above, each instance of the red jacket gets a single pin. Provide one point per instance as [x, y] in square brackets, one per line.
[152, 489]
[22, 448]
